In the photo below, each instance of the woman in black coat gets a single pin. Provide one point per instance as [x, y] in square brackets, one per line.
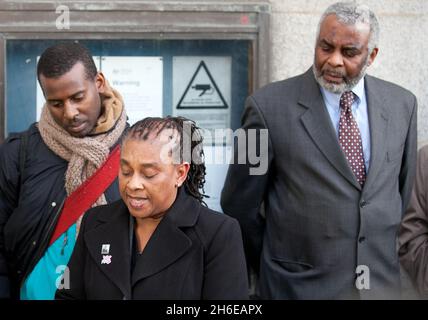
[159, 241]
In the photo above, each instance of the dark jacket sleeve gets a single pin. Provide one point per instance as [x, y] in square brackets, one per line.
[9, 180]
[76, 269]
[225, 274]
[244, 189]
[413, 238]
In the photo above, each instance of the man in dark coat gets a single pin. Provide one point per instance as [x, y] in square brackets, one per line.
[82, 120]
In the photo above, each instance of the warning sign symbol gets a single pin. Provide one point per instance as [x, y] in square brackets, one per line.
[202, 91]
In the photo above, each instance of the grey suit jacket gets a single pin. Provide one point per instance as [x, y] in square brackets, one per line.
[319, 224]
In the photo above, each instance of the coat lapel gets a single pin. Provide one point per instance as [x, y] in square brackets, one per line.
[378, 121]
[113, 231]
[317, 123]
[168, 243]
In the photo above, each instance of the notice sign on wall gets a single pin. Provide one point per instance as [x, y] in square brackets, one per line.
[140, 82]
[202, 90]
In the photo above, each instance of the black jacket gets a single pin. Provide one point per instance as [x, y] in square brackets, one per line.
[28, 216]
[194, 253]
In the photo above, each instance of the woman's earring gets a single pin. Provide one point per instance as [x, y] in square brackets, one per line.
[176, 184]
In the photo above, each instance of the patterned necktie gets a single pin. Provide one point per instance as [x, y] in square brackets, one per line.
[350, 138]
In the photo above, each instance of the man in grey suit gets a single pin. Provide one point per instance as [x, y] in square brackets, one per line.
[341, 154]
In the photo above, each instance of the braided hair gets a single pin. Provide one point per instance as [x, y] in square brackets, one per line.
[192, 153]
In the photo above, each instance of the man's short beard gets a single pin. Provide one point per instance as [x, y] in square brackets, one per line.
[348, 83]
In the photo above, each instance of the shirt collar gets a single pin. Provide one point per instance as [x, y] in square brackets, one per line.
[334, 98]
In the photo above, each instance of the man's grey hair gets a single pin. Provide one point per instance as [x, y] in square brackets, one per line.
[351, 13]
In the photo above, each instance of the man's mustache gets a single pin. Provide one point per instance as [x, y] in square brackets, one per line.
[334, 73]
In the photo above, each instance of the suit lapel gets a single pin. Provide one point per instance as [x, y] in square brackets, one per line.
[317, 123]
[378, 121]
[113, 231]
[168, 243]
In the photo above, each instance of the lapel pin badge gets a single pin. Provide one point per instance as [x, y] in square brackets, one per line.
[106, 259]
[105, 249]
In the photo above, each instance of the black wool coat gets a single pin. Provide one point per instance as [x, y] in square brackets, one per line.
[194, 253]
[29, 212]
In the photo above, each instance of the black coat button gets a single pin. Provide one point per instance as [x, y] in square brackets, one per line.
[361, 239]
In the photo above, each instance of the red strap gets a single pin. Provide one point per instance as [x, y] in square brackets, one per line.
[87, 193]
